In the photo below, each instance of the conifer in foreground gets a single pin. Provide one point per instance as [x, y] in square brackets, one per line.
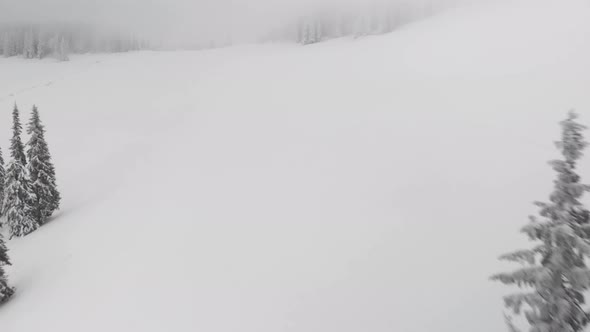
[2, 181]
[554, 272]
[41, 170]
[5, 291]
[19, 197]
[18, 200]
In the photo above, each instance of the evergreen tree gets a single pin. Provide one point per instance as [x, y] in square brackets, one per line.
[18, 201]
[41, 170]
[9, 45]
[2, 181]
[19, 197]
[29, 45]
[63, 50]
[5, 291]
[42, 48]
[16, 145]
[318, 31]
[554, 272]
[307, 33]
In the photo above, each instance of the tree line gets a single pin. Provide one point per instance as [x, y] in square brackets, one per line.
[59, 40]
[28, 189]
[373, 19]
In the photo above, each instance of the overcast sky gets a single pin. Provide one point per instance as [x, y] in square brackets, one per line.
[174, 19]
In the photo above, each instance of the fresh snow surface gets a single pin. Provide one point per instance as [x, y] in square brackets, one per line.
[353, 186]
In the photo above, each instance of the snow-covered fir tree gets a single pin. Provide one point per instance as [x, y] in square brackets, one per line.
[19, 198]
[41, 170]
[42, 48]
[26, 44]
[9, 47]
[17, 150]
[5, 291]
[63, 50]
[554, 272]
[30, 45]
[2, 181]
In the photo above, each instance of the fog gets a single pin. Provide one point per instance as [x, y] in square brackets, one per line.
[184, 21]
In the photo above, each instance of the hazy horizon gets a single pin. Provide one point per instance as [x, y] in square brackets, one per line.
[181, 22]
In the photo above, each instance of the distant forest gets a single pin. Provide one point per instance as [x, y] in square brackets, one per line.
[37, 41]
[368, 20]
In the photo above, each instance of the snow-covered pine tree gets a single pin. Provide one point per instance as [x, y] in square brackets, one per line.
[18, 201]
[42, 48]
[554, 273]
[17, 206]
[303, 31]
[63, 50]
[6, 44]
[41, 170]
[2, 181]
[25, 43]
[33, 44]
[17, 150]
[5, 291]
[29, 44]
[9, 45]
[318, 31]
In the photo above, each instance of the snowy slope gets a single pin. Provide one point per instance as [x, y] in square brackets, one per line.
[363, 185]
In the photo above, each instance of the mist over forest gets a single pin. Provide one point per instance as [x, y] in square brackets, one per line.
[111, 25]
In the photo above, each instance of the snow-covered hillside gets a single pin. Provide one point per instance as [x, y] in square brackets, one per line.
[353, 185]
